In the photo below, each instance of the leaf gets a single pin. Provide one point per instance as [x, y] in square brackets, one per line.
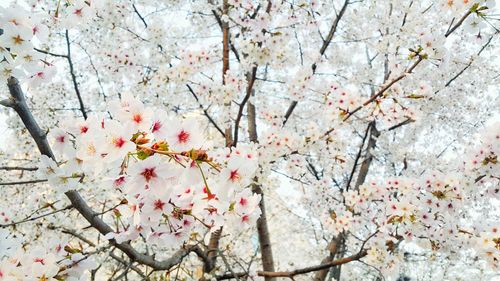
[141, 155]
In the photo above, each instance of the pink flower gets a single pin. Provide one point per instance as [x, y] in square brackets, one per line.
[118, 143]
[150, 173]
[184, 135]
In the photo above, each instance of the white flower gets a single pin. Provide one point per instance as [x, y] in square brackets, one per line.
[118, 143]
[17, 38]
[184, 135]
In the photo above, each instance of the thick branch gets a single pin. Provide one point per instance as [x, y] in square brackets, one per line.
[333, 248]
[266, 251]
[355, 165]
[252, 123]
[365, 166]
[251, 82]
[213, 244]
[18, 103]
[219, 22]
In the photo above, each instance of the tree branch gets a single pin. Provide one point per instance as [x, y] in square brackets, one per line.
[266, 250]
[322, 51]
[6, 168]
[386, 87]
[205, 111]
[251, 82]
[21, 108]
[459, 23]
[73, 76]
[36, 218]
[21, 182]
[355, 165]
[293, 273]
[140, 16]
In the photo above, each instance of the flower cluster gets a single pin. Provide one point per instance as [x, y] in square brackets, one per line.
[57, 260]
[340, 102]
[170, 185]
[21, 31]
[73, 13]
[483, 159]
[425, 211]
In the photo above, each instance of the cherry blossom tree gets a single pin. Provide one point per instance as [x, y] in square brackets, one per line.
[249, 140]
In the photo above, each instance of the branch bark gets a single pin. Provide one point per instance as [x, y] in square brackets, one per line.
[305, 270]
[251, 81]
[266, 251]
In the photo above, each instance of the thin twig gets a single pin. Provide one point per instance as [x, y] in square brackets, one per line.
[22, 182]
[205, 111]
[73, 76]
[37, 217]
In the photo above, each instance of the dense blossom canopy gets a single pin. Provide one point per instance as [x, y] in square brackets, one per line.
[249, 140]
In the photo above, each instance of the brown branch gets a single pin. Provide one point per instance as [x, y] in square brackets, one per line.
[225, 42]
[338, 241]
[219, 22]
[459, 23]
[355, 165]
[372, 131]
[333, 248]
[251, 82]
[386, 87]
[213, 243]
[211, 253]
[252, 123]
[293, 273]
[365, 165]
[266, 251]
